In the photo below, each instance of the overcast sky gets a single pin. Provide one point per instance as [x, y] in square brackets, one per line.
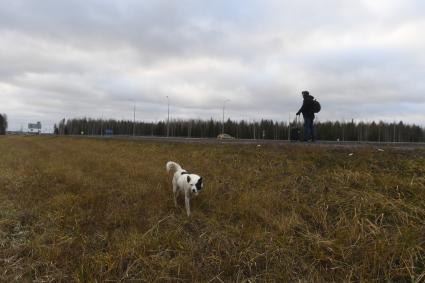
[361, 59]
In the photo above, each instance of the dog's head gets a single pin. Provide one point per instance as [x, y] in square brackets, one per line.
[196, 183]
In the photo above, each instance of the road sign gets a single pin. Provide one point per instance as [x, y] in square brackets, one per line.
[36, 126]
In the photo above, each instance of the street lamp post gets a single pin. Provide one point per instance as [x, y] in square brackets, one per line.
[168, 117]
[133, 101]
[289, 127]
[134, 119]
[224, 105]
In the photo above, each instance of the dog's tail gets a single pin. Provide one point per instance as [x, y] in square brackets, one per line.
[172, 166]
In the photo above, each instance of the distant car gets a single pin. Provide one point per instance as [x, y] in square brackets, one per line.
[225, 137]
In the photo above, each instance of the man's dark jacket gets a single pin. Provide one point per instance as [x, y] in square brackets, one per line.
[307, 107]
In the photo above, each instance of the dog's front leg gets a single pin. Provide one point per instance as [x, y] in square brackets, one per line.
[187, 202]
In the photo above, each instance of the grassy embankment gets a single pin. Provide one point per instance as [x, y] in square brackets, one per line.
[96, 210]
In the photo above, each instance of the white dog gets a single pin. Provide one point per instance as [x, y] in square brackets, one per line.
[184, 183]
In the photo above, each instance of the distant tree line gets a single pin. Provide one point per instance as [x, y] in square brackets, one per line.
[263, 129]
[3, 124]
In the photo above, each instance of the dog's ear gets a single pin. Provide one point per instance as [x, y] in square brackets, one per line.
[188, 178]
[199, 184]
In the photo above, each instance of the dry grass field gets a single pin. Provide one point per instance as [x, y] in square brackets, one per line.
[87, 210]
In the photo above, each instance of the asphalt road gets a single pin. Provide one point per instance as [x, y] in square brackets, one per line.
[400, 145]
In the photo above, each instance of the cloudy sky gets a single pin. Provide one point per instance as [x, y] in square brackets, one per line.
[362, 59]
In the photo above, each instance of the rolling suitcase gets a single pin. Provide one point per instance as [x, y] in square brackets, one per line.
[295, 133]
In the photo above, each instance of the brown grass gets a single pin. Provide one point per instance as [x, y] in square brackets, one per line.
[101, 210]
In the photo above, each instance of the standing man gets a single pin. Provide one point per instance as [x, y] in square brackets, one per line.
[308, 114]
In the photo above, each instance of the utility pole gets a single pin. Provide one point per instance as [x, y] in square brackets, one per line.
[394, 133]
[289, 127]
[168, 118]
[134, 119]
[224, 105]
[101, 125]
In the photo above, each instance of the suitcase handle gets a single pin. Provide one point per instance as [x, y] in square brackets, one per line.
[297, 120]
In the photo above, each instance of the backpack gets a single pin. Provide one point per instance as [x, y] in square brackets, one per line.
[316, 106]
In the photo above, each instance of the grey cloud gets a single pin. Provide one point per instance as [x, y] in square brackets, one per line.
[84, 58]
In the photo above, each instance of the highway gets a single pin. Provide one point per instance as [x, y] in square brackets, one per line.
[350, 144]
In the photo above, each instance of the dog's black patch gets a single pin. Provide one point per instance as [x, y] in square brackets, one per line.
[184, 173]
[188, 179]
[199, 184]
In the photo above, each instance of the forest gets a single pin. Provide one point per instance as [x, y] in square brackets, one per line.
[3, 124]
[263, 129]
